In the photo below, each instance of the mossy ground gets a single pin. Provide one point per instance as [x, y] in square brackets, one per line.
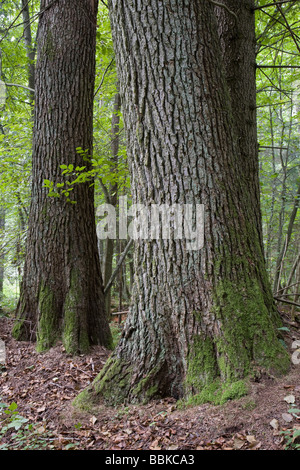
[216, 393]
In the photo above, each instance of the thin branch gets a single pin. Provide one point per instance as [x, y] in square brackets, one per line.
[273, 84]
[37, 15]
[289, 28]
[105, 4]
[270, 25]
[103, 76]
[278, 66]
[290, 294]
[287, 287]
[120, 262]
[279, 299]
[217, 4]
[272, 147]
[105, 191]
[20, 86]
[274, 4]
[12, 24]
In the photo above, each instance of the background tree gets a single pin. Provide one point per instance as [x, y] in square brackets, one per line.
[277, 53]
[62, 293]
[200, 320]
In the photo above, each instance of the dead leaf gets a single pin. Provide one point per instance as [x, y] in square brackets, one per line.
[274, 423]
[238, 443]
[93, 420]
[252, 441]
[154, 445]
[41, 409]
[290, 399]
[287, 417]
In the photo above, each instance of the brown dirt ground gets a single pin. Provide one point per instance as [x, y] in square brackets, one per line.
[44, 385]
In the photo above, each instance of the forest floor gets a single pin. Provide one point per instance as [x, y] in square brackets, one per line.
[40, 388]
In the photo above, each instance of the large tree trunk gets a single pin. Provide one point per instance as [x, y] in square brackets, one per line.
[62, 293]
[200, 319]
[237, 36]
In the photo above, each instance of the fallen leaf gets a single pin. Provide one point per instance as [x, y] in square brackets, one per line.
[41, 409]
[287, 417]
[274, 423]
[290, 399]
[93, 420]
[154, 445]
[238, 443]
[253, 442]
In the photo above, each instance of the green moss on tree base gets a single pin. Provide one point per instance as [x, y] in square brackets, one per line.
[216, 393]
[247, 338]
[17, 330]
[113, 386]
[219, 362]
[75, 335]
[249, 334]
[47, 329]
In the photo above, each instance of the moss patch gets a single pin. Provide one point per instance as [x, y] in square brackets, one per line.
[216, 393]
[249, 335]
[111, 385]
[47, 330]
[202, 365]
[218, 366]
[75, 334]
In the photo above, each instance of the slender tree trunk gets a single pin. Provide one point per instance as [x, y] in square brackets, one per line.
[269, 229]
[237, 36]
[281, 256]
[113, 195]
[200, 319]
[62, 294]
[2, 227]
[29, 47]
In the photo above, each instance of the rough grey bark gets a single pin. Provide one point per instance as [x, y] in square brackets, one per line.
[237, 36]
[198, 317]
[62, 293]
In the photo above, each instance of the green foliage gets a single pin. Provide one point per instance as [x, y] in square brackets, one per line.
[278, 101]
[18, 434]
[291, 438]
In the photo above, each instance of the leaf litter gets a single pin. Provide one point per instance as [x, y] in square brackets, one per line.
[44, 385]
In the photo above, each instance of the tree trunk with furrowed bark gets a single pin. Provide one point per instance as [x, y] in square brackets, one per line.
[201, 320]
[62, 293]
[237, 37]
